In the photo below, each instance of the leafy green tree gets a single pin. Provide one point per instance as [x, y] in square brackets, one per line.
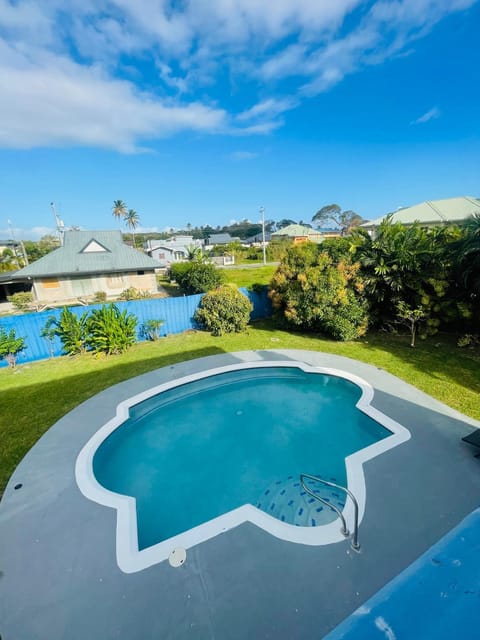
[409, 264]
[224, 310]
[312, 292]
[10, 346]
[110, 330]
[276, 249]
[338, 249]
[48, 243]
[9, 261]
[467, 255]
[71, 329]
[36, 250]
[410, 317]
[285, 222]
[345, 220]
[196, 277]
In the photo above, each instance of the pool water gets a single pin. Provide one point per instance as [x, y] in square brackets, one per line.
[197, 451]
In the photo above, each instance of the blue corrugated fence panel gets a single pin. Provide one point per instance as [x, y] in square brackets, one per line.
[176, 313]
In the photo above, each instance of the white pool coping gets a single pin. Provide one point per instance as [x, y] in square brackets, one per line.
[130, 559]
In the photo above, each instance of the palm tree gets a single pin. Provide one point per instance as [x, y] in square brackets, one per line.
[132, 221]
[119, 209]
[194, 253]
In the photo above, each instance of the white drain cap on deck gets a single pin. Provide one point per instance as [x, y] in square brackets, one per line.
[177, 557]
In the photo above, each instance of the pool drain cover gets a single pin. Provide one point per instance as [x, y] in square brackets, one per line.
[177, 557]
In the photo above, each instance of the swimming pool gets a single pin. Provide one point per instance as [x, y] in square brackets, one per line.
[188, 460]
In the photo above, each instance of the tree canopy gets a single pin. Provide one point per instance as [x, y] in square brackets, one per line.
[344, 220]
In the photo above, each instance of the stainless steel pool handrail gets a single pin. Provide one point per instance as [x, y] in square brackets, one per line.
[344, 530]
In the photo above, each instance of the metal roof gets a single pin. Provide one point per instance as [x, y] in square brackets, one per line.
[88, 252]
[448, 211]
[296, 230]
[222, 238]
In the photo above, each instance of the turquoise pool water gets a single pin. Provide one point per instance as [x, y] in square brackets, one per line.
[199, 450]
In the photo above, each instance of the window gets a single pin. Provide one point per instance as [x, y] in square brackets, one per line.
[50, 283]
[140, 273]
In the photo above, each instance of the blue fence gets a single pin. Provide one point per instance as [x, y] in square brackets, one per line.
[177, 314]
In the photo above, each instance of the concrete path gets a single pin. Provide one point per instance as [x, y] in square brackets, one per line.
[58, 573]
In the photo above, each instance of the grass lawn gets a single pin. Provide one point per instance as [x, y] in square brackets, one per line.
[241, 276]
[36, 395]
[246, 276]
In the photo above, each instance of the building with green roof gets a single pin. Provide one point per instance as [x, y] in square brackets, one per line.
[432, 213]
[298, 233]
[89, 261]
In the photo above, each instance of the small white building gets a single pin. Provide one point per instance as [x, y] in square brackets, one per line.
[175, 249]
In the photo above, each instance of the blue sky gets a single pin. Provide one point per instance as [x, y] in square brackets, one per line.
[201, 112]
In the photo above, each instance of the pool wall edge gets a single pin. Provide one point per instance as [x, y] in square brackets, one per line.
[130, 559]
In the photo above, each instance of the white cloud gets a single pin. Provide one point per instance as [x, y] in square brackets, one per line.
[268, 108]
[63, 69]
[21, 233]
[431, 114]
[54, 101]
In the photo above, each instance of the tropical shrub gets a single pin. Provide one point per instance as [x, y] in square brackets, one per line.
[110, 330]
[10, 346]
[338, 248]
[151, 329]
[71, 329]
[178, 270]
[21, 300]
[410, 265]
[469, 340]
[48, 333]
[467, 255]
[99, 297]
[310, 291]
[134, 294]
[196, 277]
[224, 310]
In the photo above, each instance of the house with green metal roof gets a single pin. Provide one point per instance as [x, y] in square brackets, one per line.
[87, 262]
[298, 233]
[432, 213]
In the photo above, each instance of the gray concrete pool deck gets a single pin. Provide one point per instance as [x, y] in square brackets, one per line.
[59, 578]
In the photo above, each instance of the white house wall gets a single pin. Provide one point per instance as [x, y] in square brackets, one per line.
[60, 289]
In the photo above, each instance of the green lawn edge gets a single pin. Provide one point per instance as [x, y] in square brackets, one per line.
[35, 395]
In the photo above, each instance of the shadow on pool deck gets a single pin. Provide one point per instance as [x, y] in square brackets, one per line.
[60, 578]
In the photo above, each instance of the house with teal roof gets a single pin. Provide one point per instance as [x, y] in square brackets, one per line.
[298, 233]
[432, 213]
[88, 262]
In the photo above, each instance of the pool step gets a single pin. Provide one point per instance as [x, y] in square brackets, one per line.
[289, 502]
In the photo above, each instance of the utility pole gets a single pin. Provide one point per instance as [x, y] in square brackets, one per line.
[262, 211]
[22, 246]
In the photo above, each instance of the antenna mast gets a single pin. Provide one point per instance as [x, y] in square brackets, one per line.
[59, 224]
